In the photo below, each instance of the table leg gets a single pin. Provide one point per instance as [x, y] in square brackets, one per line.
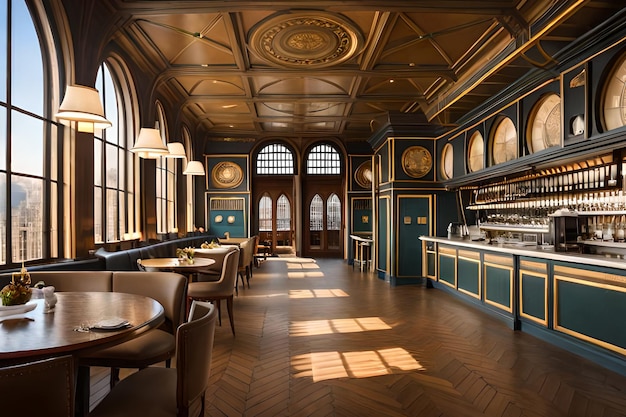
[82, 391]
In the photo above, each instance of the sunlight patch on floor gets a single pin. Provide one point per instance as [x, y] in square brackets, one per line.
[320, 327]
[319, 293]
[309, 274]
[302, 265]
[360, 364]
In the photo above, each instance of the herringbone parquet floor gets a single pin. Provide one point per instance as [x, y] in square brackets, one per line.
[315, 338]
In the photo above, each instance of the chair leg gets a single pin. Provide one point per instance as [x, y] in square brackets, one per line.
[229, 306]
[248, 275]
[115, 377]
[218, 304]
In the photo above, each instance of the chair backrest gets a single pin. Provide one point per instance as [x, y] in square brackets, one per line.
[194, 350]
[168, 288]
[74, 280]
[229, 271]
[244, 248]
[42, 388]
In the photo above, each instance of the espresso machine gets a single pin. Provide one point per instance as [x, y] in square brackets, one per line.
[566, 232]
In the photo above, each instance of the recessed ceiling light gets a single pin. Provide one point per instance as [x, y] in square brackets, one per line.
[391, 81]
[229, 106]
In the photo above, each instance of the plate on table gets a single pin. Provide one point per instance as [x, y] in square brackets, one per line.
[111, 324]
[18, 309]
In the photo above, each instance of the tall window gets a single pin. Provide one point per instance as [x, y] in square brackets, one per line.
[28, 182]
[323, 160]
[114, 190]
[274, 159]
[283, 213]
[265, 213]
[316, 213]
[165, 183]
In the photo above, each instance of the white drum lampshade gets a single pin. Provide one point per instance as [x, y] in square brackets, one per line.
[82, 105]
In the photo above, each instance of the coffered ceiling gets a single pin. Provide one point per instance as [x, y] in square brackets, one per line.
[255, 69]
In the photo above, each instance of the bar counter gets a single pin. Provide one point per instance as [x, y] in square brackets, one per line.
[536, 251]
[574, 300]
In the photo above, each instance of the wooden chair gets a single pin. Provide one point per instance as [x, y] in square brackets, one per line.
[153, 346]
[42, 388]
[180, 392]
[216, 291]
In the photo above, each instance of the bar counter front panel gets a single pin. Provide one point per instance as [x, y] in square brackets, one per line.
[574, 300]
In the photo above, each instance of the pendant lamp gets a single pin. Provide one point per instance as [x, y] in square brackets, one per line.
[194, 168]
[81, 104]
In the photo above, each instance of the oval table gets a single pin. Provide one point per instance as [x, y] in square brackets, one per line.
[175, 265]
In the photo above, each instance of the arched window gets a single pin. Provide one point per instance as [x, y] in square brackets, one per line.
[274, 159]
[165, 182]
[32, 184]
[265, 213]
[316, 214]
[114, 166]
[323, 160]
[333, 213]
[283, 213]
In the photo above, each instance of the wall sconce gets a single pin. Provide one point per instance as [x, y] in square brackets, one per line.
[81, 104]
[149, 144]
[194, 168]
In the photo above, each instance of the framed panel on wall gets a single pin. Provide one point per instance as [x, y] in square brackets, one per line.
[227, 214]
[227, 173]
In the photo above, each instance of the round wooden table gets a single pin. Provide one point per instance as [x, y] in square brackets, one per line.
[175, 265]
[37, 334]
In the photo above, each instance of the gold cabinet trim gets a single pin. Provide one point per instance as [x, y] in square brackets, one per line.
[499, 260]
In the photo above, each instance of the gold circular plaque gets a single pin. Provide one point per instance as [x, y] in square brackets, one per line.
[227, 174]
[545, 123]
[614, 100]
[416, 161]
[363, 175]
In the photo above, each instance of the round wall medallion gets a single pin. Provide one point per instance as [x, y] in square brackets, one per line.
[447, 162]
[416, 161]
[226, 174]
[476, 152]
[363, 175]
[311, 39]
[504, 141]
[614, 100]
[545, 123]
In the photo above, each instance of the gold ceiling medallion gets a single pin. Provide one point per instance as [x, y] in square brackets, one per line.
[311, 39]
[416, 161]
[363, 175]
[226, 174]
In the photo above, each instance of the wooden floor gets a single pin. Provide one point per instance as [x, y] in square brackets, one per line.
[315, 338]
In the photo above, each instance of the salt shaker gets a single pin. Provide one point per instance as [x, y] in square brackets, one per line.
[50, 299]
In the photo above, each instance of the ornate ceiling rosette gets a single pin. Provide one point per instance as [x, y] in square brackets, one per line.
[306, 39]
[226, 174]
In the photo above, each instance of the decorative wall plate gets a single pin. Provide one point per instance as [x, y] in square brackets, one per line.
[614, 96]
[230, 219]
[476, 152]
[226, 174]
[504, 141]
[416, 161]
[363, 175]
[545, 123]
[218, 218]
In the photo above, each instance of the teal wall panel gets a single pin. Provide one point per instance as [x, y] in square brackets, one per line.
[431, 259]
[533, 301]
[408, 233]
[382, 234]
[593, 311]
[447, 269]
[469, 276]
[498, 285]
